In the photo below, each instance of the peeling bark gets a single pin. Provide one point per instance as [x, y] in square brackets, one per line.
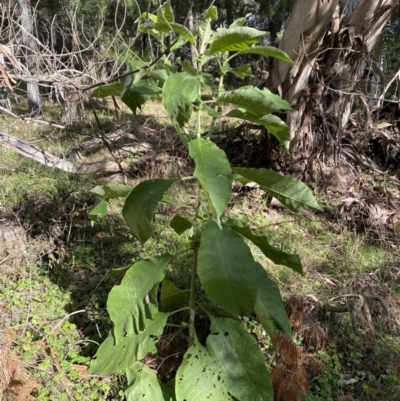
[330, 61]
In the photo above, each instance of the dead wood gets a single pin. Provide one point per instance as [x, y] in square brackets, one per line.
[33, 152]
[112, 138]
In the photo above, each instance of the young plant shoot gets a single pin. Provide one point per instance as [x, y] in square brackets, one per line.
[228, 364]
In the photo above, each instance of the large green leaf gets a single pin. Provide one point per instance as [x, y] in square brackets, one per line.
[272, 123]
[241, 360]
[273, 253]
[268, 51]
[114, 358]
[235, 39]
[199, 377]
[226, 269]
[171, 297]
[113, 89]
[292, 193]
[140, 205]
[138, 93]
[213, 172]
[144, 385]
[179, 91]
[258, 102]
[269, 306]
[128, 303]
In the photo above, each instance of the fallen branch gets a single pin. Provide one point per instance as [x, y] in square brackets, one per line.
[33, 152]
[358, 306]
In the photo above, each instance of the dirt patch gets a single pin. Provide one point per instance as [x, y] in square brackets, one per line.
[17, 248]
[13, 244]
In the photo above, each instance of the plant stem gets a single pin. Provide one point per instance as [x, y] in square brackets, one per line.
[198, 125]
[192, 301]
[214, 120]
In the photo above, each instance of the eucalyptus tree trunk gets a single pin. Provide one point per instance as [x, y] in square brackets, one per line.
[28, 41]
[331, 44]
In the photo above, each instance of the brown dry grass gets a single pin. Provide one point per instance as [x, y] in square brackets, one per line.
[14, 381]
[289, 377]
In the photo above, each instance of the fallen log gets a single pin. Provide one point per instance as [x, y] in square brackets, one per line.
[33, 152]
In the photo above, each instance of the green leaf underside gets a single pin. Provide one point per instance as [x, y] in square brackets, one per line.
[258, 101]
[165, 13]
[135, 95]
[205, 26]
[226, 269]
[111, 191]
[179, 91]
[268, 51]
[144, 385]
[140, 205]
[167, 28]
[114, 89]
[171, 297]
[269, 305]
[211, 112]
[213, 172]
[206, 58]
[241, 360]
[160, 75]
[179, 224]
[271, 252]
[238, 22]
[187, 67]
[207, 81]
[127, 304]
[235, 39]
[272, 123]
[199, 377]
[179, 43]
[136, 63]
[242, 71]
[167, 199]
[111, 358]
[98, 211]
[148, 15]
[292, 193]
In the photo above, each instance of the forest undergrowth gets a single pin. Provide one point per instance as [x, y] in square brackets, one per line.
[56, 275]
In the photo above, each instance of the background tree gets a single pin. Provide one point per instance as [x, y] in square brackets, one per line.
[334, 48]
[29, 50]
